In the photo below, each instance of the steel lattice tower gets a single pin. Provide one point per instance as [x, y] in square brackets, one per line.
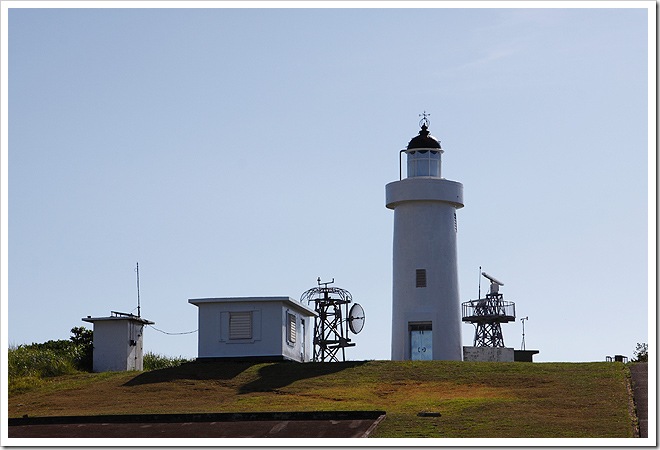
[487, 315]
[330, 333]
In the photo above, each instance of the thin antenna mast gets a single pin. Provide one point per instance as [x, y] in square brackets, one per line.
[137, 270]
[479, 282]
[522, 345]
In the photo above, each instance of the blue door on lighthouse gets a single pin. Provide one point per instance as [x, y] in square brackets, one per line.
[421, 342]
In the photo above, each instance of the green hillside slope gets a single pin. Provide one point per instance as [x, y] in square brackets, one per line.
[474, 399]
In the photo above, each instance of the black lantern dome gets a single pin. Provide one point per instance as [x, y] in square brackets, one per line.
[423, 139]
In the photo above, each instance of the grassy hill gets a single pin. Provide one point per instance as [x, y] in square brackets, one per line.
[474, 399]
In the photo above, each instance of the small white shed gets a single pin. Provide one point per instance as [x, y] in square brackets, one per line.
[254, 328]
[117, 342]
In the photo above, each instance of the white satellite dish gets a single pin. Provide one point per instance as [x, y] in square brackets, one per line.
[356, 318]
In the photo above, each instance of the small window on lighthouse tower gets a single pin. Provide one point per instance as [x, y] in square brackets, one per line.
[420, 278]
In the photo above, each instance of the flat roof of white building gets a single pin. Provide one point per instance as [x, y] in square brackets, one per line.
[282, 299]
[114, 315]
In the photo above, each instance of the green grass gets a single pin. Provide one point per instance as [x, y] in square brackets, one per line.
[31, 366]
[474, 399]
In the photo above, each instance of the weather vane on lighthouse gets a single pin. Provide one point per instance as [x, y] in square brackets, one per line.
[425, 119]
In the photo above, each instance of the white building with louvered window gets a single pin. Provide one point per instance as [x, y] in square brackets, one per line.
[254, 328]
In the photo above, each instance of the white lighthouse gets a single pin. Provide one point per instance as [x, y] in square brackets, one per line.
[426, 316]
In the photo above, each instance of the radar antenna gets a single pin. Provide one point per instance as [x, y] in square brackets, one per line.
[494, 283]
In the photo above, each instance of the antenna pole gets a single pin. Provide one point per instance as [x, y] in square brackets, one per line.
[479, 282]
[137, 270]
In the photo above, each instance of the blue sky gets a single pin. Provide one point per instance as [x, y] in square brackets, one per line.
[240, 152]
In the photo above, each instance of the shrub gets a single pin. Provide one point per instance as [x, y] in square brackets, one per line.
[32, 361]
[27, 365]
[153, 361]
[78, 349]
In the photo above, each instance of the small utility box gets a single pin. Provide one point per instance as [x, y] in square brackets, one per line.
[117, 342]
[524, 355]
[253, 328]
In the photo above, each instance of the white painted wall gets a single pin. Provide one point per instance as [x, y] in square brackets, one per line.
[269, 328]
[299, 350]
[425, 237]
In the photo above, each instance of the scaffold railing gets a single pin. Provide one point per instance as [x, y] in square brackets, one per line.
[489, 309]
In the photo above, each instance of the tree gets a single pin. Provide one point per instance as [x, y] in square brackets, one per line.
[82, 336]
[83, 342]
[641, 352]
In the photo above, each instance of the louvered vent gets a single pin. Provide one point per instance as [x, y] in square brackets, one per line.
[420, 278]
[240, 325]
[291, 328]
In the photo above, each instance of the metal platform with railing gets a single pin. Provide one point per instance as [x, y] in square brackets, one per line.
[490, 309]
